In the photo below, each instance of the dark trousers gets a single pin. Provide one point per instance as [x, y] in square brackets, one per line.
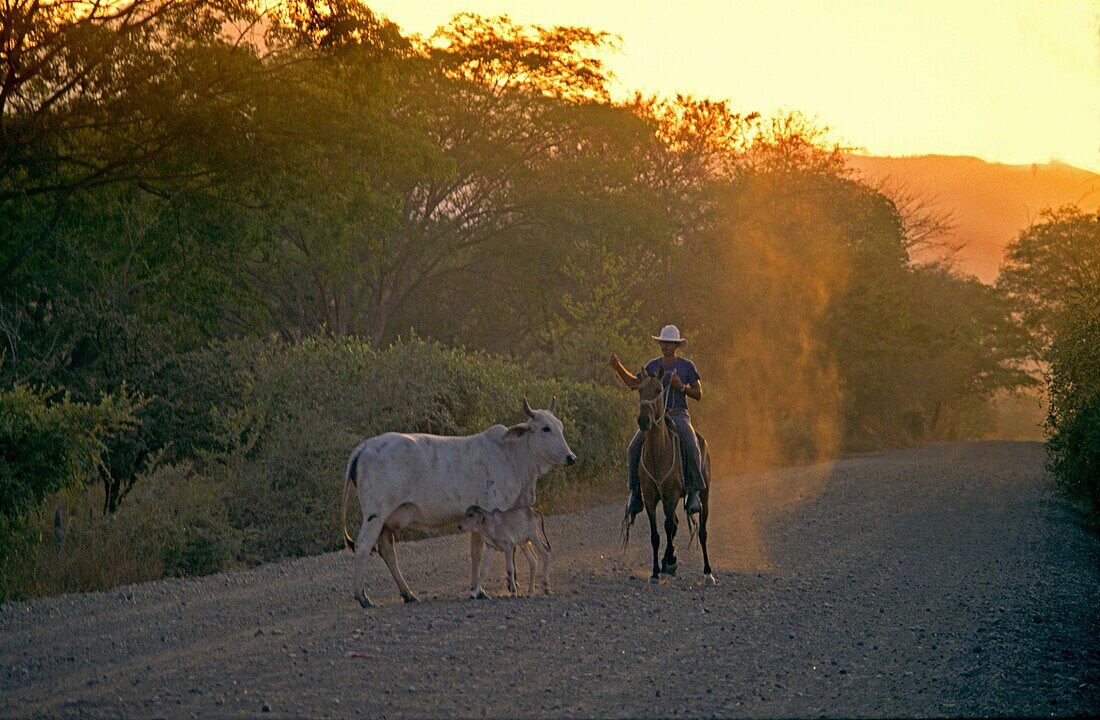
[693, 478]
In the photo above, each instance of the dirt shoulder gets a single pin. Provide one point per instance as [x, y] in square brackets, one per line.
[940, 581]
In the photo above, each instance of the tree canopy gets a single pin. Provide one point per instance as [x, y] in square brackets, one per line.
[177, 173]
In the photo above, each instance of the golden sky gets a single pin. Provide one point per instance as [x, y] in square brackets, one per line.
[1013, 81]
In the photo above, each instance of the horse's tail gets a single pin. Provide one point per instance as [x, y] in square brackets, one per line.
[349, 482]
[624, 531]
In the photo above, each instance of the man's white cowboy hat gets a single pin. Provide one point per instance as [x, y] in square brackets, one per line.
[669, 333]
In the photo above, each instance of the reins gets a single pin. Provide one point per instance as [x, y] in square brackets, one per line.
[662, 399]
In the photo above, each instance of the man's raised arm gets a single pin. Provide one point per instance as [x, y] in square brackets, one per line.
[625, 375]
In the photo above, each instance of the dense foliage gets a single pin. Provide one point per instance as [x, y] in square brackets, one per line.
[1052, 278]
[261, 434]
[1053, 263]
[236, 210]
[1074, 387]
[48, 445]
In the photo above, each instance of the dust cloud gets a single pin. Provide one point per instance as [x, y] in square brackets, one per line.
[774, 396]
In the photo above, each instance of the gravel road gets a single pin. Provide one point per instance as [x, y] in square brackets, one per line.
[944, 581]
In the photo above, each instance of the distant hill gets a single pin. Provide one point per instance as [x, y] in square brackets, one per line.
[991, 202]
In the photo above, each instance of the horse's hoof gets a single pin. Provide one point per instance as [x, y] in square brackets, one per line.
[655, 580]
[711, 580]
[410, 598]
[670, 569]
[480, 594]
[365, 601]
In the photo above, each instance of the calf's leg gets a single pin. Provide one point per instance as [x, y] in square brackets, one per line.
[531, 565]
[544, 556]
[484, 576]
[477, 556]
[510, 563]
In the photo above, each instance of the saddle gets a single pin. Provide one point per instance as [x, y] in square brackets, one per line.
[679, 445]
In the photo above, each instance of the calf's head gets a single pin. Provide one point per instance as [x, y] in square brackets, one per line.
[473, 521]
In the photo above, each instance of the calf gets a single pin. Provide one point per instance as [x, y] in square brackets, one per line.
[504, 530]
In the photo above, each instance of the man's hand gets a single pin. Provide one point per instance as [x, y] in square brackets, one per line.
[629, 380]
[676, 382]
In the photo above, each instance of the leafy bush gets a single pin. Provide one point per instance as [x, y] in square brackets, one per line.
[283, 489]
[263, 432]
[47, 445]
[195, 395]
[1073, 422]
[174, 523]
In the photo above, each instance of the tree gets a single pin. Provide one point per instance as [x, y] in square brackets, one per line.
[760, 285]
[592, 216]
[94, 94]
[337, 131]
[922, 356]
[1050, 266]
[121, 124]
[473, 123]
[125, 137]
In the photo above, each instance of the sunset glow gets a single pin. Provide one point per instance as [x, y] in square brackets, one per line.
[1013, 82]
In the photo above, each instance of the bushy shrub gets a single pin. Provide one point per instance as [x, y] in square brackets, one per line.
[281, 418]
[1073, 422]
[313, 401]
[263, 430]
[195, 396]
[47, 444]
[174, 523]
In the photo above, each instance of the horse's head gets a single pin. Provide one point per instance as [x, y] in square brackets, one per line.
[651, 396]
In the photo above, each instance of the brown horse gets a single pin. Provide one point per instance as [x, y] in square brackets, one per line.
[661, 476]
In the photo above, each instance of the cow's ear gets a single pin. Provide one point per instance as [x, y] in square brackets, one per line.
[517, 431]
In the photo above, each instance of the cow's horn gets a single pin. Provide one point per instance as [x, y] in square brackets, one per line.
[527, 409]
[553, 404]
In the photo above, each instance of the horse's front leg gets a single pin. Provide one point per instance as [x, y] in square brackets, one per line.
[703, 516]
[655, 539]
[668, 564]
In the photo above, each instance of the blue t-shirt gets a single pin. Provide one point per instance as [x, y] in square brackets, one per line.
[684, 368]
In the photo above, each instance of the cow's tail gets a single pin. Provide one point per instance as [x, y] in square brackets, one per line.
[349, 482]
[542, 532]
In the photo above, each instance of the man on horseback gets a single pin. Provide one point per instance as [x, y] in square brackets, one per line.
[681, 381]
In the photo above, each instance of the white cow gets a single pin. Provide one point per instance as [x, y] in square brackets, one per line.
[429, 480]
